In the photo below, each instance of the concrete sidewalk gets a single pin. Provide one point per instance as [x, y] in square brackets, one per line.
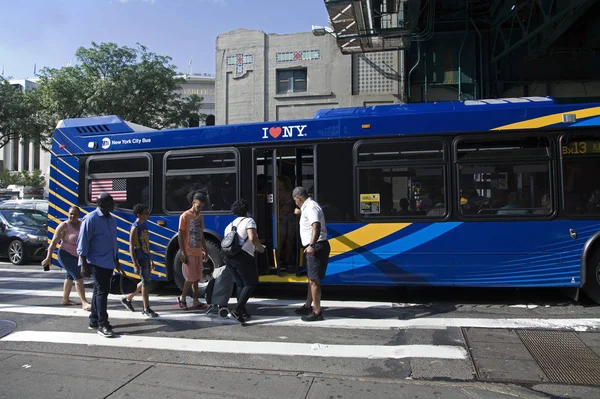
[24, 375]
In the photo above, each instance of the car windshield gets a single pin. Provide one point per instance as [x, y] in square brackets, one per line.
[25, 217]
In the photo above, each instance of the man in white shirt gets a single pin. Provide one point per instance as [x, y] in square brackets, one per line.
[313, 234]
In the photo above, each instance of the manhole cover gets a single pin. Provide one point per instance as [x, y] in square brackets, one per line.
[6, 327]
[563, 357]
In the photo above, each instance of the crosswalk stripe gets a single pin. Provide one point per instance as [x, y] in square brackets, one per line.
[255, 301]
[244, 347]
[32, 271]
[330, 322]
[33, 280]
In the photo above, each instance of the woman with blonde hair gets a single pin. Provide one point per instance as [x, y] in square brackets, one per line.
[67, 232]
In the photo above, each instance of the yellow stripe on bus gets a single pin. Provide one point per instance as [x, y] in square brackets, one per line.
[548, 120]
[283, 279]
[118, 217]
[65, 162]
[53, 206]
[363, 236]
[64, 174]
[63, 187]
[54, 219]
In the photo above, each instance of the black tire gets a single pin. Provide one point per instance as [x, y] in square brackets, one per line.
[215, 259]
[592, 283]
[16, 252]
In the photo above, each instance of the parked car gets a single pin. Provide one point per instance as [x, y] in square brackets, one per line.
[35, 204]
[23, 235]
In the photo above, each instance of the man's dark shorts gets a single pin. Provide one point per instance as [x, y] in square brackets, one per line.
[145, 271]
[316, 265]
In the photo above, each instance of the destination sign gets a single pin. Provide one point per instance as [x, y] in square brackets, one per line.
[581, 147]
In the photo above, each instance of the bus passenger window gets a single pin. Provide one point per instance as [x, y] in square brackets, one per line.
[126, 179]
[212, 172]
[401, 179]
[504, 178]
[581, 165]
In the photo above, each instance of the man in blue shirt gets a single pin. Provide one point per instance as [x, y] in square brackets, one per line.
[98, 253]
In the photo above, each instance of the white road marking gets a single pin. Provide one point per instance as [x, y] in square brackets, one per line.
[427, 323]
[18, 270]
[244, 347]
[162, 299]
[32, 280]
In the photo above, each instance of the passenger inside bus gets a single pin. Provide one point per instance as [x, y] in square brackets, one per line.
[287, 224]
[545, 205]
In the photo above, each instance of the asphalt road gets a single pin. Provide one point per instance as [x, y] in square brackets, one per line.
[418, 342]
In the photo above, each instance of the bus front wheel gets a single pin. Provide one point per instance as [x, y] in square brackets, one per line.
[215, 259]
[592, 284]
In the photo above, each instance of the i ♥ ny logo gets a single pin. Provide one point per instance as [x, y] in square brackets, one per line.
[284, 131]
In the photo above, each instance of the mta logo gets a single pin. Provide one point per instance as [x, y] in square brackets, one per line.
[284, 131]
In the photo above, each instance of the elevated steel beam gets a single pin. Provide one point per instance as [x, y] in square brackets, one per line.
[521, 29]
[556, 30]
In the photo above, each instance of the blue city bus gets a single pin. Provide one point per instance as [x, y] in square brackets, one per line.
[481, 193]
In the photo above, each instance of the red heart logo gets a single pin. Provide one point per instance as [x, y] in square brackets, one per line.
[275, 132]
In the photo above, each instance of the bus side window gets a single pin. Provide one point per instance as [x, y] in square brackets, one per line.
[504, 177]
[580, 175]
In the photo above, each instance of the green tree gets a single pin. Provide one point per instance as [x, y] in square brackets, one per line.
[133, 83]
[34, 179]
[8, 177]
[18, 116]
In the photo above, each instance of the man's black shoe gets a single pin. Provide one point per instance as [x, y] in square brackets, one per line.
[94, 326]
[313, 317]
[304, 310]
[106, 332]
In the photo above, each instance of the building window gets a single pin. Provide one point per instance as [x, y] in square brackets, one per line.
[291, 81]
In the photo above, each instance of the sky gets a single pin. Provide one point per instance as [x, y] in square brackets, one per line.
[48, 32]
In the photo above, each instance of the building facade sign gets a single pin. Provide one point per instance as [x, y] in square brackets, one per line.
[242, 63]
[301, 55]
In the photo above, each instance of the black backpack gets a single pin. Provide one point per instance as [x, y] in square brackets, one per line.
[231, 245]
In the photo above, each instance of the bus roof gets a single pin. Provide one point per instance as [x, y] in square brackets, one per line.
[444, 106]
[112, 134]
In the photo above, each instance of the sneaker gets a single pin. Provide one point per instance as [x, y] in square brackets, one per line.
[313, 317]
[127, 304]
[94, 326]
[246, 315]
[182, 304]
[235, 315]
[149, 313]
[304, 310]
[106, 331]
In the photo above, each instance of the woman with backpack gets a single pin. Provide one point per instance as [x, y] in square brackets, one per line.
[239, 243]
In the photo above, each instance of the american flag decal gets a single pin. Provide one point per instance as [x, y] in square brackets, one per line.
[117, 188]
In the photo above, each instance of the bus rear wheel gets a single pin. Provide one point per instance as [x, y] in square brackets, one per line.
[215, 259]
[592, 284]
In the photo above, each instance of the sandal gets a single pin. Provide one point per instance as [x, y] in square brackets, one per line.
[87, 307]
[70, 303]
[182, 304]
